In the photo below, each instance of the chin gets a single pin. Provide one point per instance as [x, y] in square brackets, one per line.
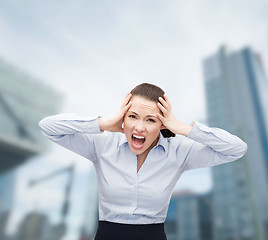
[136, 151]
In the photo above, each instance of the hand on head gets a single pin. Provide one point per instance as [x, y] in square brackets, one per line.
[114, 124]
[167, 117]
[169, 120]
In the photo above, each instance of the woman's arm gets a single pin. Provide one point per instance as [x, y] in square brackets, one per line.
[204, 146]
[82, 134]
[76, 133]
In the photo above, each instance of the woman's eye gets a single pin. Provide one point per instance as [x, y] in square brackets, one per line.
[132, 116]
[151, 120]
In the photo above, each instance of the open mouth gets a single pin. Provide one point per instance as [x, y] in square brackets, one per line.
[138, 141]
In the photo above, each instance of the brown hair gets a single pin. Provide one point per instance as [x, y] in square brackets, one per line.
[151, 92]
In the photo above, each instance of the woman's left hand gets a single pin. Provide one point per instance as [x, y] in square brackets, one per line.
[169, 120]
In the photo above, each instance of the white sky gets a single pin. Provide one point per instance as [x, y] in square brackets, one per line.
[95, 51]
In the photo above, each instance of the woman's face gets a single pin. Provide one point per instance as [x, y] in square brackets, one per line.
[141, 125]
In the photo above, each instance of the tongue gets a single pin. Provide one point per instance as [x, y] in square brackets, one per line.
[138, 141]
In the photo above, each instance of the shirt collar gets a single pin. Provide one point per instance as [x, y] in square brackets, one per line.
[162, 141]
[123, 139]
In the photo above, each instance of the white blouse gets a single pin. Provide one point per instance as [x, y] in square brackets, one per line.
[126, 196]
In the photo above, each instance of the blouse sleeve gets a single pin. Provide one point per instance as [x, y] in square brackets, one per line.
[206, 147]
[81, 135]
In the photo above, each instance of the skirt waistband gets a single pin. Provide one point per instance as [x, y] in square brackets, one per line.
[121, 231]
[150, 227]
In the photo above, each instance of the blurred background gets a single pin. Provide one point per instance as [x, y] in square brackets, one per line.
[82, 56]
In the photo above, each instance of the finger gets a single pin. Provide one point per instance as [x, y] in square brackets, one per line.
[162, 108]
[126, 99]
[128, 106]
[163, 102]
[125, 109]
[161, 118]
[167, 100]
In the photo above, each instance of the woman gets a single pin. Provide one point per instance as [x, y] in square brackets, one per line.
[139, 154]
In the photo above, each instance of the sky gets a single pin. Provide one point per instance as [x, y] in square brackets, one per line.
[93, 52]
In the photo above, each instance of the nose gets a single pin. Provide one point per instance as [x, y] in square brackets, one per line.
[140, 126]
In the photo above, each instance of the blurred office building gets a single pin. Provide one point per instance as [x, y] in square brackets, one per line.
[6, 199]
[91, 216]
[237, 100]
[36, 226]
[189, 216]
[171, 223]
[23, 102]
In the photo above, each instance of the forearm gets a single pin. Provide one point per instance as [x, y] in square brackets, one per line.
[103, 124]
[218, 139]
[66, 124]
[211, 147]
[80, 134]
[112, 124]
[183, 129]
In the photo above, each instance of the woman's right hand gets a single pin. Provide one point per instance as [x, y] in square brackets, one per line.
[114, 124]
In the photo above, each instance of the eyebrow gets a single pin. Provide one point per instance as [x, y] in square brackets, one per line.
[146, 116]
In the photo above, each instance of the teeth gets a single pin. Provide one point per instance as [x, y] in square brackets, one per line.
[139, 137]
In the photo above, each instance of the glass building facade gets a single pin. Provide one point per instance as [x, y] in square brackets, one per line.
[24, 101]
[6, 196]
[236, 96]
[189, 217]
[91, 216]
[171, 223]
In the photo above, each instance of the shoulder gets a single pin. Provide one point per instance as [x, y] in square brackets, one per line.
[114, 138]
[180, 141]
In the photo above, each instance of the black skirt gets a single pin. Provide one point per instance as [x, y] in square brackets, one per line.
[119, 231]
